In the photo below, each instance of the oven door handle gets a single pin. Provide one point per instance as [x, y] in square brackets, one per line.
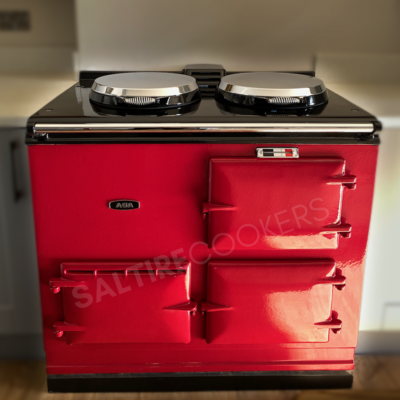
[333, 323]
[207, 207]
[338, 281]
[191, 307]
[348, 181]
[342, 229]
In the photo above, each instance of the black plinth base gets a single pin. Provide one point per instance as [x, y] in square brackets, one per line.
[200, 381]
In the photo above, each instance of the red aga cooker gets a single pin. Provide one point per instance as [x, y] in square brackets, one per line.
[196, 230]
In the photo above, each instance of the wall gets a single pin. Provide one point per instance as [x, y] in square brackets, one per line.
[50, 43]
[52, 24]
[381, 300]
[241, 35]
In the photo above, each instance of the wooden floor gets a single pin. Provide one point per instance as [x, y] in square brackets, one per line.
[375, 377]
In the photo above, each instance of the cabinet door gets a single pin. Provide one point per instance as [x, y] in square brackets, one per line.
[270, 204]
[252, 302]
[19, 285]
[124, 303]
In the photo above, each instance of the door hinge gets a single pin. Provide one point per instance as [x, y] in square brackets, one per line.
[57, 283]
[210, 307]
[60, 327]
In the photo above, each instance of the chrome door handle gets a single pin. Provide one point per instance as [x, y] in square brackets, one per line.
[14, 145]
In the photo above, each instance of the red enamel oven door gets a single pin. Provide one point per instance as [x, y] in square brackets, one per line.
[270, 302]
[124, 303]
[261, 204]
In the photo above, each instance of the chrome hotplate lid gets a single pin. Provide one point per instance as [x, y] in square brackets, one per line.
[145, 89]
[152, 84]
[272, 89]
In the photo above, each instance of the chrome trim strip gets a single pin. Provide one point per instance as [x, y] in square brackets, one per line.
[42, 129]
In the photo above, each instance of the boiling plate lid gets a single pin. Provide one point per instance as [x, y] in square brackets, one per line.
[272, 84]
[274, 88]
[145, 89]
[152, 84]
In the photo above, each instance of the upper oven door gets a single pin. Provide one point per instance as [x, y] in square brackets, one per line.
[267, 204]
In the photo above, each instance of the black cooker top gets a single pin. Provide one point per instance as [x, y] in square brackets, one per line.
[202, 103]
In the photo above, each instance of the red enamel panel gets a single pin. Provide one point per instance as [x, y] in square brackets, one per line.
[276, 204]
[269, 302]
[72, 186]
[124, 303]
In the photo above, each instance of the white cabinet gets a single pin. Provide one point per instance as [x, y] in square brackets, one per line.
[20, 318]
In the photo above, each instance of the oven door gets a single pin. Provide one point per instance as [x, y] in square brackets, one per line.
[124, 303]
[251, 302]
[266, 204]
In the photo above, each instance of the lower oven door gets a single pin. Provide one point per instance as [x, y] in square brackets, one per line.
[252, 302]
[124, 303]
